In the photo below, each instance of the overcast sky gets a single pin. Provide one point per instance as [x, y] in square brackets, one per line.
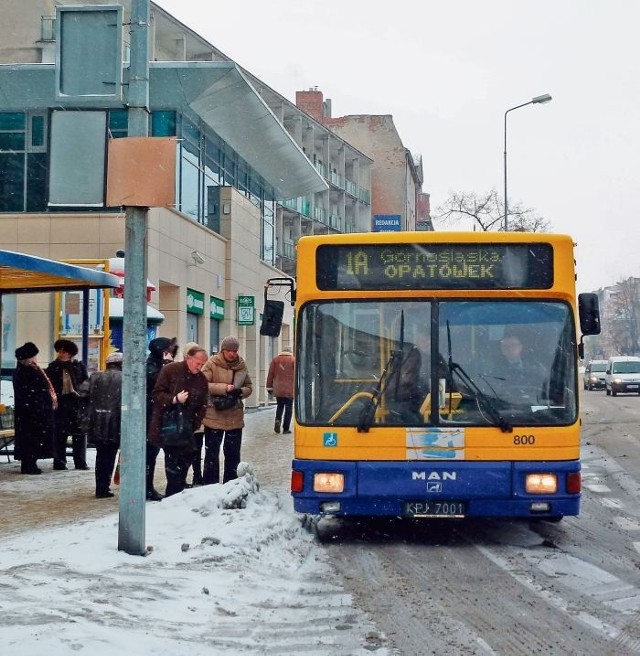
[448, 71]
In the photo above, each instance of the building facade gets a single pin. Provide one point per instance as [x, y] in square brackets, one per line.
[255, 172]
[397, 199]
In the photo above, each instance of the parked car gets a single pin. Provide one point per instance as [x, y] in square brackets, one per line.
[622, 375]
[593, 377]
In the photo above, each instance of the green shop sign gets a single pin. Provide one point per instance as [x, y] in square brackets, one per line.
[216, 308]
[246, 310]
[195, 302]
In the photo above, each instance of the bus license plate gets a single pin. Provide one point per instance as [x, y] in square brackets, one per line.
[435, 509]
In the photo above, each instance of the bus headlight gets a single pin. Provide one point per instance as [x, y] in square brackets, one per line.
[541, 483]
[330, 482]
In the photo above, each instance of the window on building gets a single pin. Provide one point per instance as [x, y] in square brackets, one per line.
[23, 161]
[206, 163]
[118, 123]
[163, 124]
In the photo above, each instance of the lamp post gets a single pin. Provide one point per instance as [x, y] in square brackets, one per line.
[538, 100]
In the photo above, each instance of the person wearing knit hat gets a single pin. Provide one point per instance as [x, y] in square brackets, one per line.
[114, 358]
[228, 378]
[230, 344]
[67, 375]
[162, 351]
[34, 402]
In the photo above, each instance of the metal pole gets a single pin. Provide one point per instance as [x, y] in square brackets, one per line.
[131, 532]
[545, 98]
[506, 205]
[506, 208]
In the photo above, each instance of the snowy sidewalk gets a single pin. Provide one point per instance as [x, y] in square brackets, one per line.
[229, 571]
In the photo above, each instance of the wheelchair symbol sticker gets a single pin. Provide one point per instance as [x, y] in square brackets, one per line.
[330, 439]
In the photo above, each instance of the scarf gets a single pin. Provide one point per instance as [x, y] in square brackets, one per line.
[52, 392]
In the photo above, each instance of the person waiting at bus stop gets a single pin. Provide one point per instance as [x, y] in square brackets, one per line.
[183, 383]
[227, 375]
[162, 351]
[105, 399]
[67, 375]
[35, 401]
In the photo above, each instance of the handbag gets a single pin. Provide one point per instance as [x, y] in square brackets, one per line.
[176, 429]
[226, 401]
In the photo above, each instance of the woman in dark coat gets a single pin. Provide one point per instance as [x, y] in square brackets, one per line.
[105, 400]
[35, 402]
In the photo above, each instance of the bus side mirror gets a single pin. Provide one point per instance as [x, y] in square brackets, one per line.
[272, 318]
[589, 312]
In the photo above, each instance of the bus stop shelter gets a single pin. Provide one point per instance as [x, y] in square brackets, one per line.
[21, 273]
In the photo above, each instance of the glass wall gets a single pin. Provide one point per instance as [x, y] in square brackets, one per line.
[205, 163]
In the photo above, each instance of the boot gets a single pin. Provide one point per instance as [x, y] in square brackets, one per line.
[152, 493]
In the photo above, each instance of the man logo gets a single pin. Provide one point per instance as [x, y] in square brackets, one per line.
[434, 487]
[434, 476]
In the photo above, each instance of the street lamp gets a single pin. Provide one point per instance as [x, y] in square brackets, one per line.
[538, 100]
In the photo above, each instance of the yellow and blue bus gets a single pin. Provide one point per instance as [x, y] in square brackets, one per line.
[436, 375]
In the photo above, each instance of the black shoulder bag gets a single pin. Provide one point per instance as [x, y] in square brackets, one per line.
[226, 401]
[176, 428]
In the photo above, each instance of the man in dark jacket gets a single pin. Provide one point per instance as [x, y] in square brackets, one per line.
[162, 350]
[184, 383]
[66, 376]
[105, 399]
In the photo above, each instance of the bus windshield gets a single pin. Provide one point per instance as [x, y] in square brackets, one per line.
[436, 362]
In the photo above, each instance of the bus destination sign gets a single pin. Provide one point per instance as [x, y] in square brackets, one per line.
[434, 266]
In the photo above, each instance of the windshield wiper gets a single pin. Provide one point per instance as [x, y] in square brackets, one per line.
[490, 409]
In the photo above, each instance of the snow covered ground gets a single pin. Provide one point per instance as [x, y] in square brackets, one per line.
[229, 570]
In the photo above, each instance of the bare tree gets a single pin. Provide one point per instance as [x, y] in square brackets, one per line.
[625, 313]
[487, 212]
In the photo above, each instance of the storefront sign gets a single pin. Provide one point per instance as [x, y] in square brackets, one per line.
[246, 310]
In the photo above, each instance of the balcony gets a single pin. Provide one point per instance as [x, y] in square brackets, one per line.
[337, 180]
[335, 221]
[300, 204]
[320, 214]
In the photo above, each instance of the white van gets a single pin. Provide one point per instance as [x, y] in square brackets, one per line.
[622, 375]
